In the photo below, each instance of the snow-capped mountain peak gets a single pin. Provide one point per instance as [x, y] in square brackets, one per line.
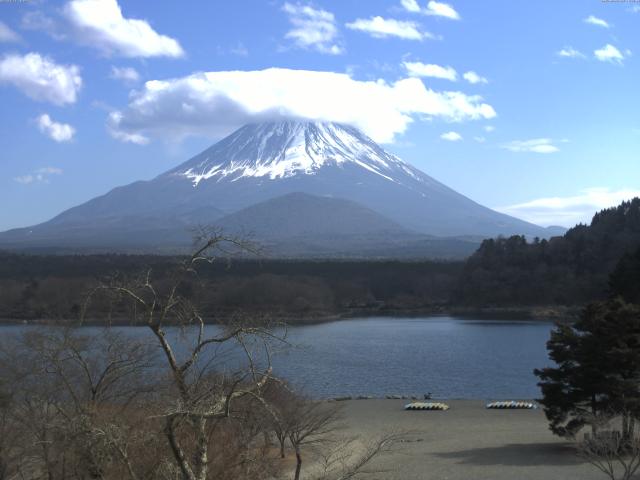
[277, 150]
[284, 179]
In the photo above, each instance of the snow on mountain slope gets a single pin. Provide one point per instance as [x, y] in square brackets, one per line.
[284, 149]
[266, 160]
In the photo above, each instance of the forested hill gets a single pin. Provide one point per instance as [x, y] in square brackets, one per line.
[568, 270]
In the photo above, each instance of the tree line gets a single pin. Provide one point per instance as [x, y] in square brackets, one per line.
[513, 272]
[570, 270]
[52, 287]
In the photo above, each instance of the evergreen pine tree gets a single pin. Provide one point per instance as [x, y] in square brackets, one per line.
[597, 368]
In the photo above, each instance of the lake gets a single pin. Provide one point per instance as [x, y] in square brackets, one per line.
[450, 357]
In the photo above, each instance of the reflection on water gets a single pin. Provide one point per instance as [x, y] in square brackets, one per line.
[450, 357]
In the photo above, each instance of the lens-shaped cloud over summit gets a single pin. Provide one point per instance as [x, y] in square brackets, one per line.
[213, 104]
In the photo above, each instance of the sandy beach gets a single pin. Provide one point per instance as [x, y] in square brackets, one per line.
[467, 442]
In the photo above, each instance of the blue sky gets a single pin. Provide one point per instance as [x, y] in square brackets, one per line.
[531, 108]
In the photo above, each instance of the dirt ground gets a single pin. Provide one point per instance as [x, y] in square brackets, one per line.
[467, 442]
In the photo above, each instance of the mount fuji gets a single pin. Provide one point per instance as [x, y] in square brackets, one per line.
[301, 187]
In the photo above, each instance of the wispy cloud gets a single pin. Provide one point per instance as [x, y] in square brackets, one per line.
[41, 78]
[313, 29]
[435, 8]
[37, 20]
[536, 145]
[473, 78]
[379, 27]
[8, 35]
[58, 132]
[571, 210]
[593, 20]
[610, 54]
[441, 9]
[419, 69]
[451, 136]
[570, 52]
[127, 75]
[239, 50]
[41, 175]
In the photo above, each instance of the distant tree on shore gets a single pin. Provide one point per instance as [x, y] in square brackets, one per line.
[569, 270]
[625, 279]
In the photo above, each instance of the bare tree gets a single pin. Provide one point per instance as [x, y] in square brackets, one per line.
[315, 426]
[311, 423]
[201, 400]
[351, 457]
[283, 412]
[613, 452]
[72, 395]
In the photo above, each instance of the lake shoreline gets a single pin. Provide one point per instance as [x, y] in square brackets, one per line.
[555, 313]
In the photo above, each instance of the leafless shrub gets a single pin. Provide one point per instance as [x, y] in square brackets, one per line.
[351, 457]
[614, 452]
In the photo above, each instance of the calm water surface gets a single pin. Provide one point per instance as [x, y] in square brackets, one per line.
[450, 357]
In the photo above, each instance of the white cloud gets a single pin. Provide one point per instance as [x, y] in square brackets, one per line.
[59, 132]
[441, 9]
[313, 28]
[569, 211]
[113, 127]
[596, 21]
[536, 145]
[451, 136]
[570, 52]
[410, 5]
[100, 24]
[434, 8]
[480, 139]
[41, 175]
[473, 78]
[213, 104]
[126, 74]
[41, 78]
[8, 35]
[135, 138]
[419, 69]
[489, 128]
[609, 53]
[379, 27]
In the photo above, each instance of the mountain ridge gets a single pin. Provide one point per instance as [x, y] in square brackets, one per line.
[259, 162]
